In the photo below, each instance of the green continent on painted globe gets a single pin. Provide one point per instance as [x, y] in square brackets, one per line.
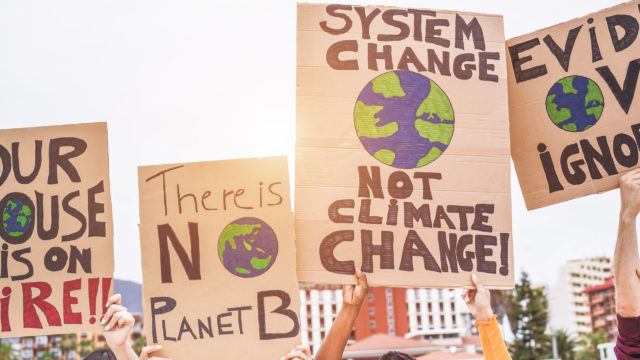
[575, 103]
[247, 247]
[16, 218]
[404, 119]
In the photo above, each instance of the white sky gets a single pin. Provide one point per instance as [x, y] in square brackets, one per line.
[192, 80]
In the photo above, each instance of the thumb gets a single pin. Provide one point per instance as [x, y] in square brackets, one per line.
[476, 282]
[638, 272]
[347, 292]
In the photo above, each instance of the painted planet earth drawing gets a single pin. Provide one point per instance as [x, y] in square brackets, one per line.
[17, 218]
[247, 247]
[575, 103]
[404, 119]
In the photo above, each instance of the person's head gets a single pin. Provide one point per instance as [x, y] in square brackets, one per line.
[101, 355]
[396, 355]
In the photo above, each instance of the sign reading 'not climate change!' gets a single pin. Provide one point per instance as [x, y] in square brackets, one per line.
[574, 121]
[402, 152]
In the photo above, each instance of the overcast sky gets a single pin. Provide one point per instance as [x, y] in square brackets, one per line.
[170, 77]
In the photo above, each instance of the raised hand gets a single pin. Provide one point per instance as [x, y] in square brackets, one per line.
[354, 295]
[630, 194]
[478, 300]
[300, 352]
[117, 323]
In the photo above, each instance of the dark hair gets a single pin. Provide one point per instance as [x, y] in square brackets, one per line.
[101, 355]
[396, 355]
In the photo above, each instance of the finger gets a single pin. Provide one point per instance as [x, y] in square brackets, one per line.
[633, 173]
[305, 349]
[125, 319]
[361, 279]
[110, 311]
[114, 299]
[112, 323]
[476, 282]
[347, 292]
[147, 350]
[114, 320]
[471, 296]
[295, 355]
[638, 272]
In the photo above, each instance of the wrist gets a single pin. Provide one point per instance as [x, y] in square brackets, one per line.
[351, 309]
[484, 315]
[627, 216]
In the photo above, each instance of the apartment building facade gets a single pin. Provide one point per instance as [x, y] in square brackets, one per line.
[568, 303]
[602, 303]
[411, 313]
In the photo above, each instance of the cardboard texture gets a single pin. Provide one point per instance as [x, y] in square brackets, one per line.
[402, 149]
[56, 262]
[217, 259]
[574, 126]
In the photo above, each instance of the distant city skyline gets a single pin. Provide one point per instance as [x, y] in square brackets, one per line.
[171, 81]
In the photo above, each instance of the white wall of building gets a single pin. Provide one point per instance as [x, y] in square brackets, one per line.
[568, 303]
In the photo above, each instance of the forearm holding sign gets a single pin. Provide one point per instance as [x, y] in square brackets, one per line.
[118, 325]
[352, 299]
[479, 303]
[627, 284]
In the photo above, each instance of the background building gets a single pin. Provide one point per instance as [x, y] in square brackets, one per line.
[569, 304]
[602, 303]
[435, 315]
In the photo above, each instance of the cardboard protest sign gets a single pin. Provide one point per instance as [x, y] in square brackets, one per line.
[218, 259]
[574, 126]
[56, 257]
[402, 153]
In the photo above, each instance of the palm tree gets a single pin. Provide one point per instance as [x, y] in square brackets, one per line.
[589, 344]
[566, 345]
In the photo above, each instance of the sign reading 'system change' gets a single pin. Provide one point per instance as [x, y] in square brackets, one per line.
[574, 120]
[402, 153]
[56, 238]
[218, 259]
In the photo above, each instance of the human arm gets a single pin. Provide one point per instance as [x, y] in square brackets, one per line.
[626, 260]
[118, 325]
[478, 301]
[352, 300]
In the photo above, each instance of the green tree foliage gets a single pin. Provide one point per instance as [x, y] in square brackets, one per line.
[589, 345]
[46, 355]
[68, 344]
[530, 317]
[6, 352]
[86, 347]
[566, 345]
[139, 343]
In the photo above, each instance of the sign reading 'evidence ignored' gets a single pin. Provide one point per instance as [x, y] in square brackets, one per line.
[402, 153]
[56, 257]
[218, 253]
[574, 121]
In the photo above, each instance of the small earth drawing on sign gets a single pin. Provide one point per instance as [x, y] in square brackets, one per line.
[17, 218]
[575, 103]
[404, 119]
[247, 247]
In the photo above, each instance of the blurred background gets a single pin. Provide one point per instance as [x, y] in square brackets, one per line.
[185, 81]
